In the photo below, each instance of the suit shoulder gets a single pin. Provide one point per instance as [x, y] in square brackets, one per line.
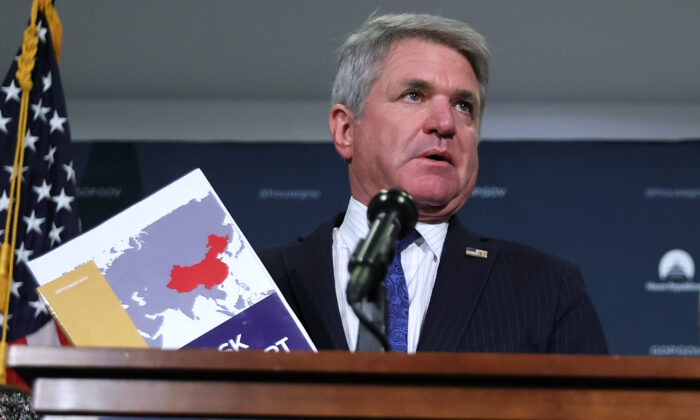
[523, 255]
[273, 256]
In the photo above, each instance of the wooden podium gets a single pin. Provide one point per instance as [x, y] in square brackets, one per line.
[200, 383]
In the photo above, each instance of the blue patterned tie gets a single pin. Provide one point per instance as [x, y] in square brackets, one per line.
[397, 298]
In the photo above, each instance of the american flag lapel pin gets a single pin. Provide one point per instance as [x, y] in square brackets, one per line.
[478, 253]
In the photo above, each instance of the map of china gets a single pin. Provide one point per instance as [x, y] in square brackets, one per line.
[209, 272]
[175, 277]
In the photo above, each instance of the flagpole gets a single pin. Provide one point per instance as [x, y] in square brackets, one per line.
[25, 66]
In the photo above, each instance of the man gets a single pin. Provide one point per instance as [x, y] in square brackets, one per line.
[408, 98]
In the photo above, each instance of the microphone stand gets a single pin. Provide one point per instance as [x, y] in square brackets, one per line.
[393, 215]
[371, 311]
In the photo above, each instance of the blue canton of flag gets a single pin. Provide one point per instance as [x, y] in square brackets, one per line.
[47, 213]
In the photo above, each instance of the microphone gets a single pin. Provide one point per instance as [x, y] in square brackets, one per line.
[392, 214]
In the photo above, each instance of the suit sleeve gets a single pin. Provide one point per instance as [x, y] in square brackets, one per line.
[577, 328]
[273, 262]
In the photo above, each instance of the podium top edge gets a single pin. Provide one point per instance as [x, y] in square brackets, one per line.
[31, 361]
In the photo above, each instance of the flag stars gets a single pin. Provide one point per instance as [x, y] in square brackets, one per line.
[45, 190]
[22, 255]
[40, 111]
[56, 122]
[9, 169]
[3, 122]
[39, 307]
[42, 191]
[33, 223]
[30, 141]
[70, 172]
[49, 155]
[11, 92]
[15, 288]
[41, 32]
[46, 82]
[55, 234]
[63, 201]
[4, 201]
[2, 319]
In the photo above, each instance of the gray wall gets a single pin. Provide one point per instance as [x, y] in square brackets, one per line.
[244, 70]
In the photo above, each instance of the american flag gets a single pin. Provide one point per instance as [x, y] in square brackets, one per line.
[47, 215]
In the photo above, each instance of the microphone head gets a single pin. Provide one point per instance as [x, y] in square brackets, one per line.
[398, 202]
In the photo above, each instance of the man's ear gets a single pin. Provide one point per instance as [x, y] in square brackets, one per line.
[341, 122]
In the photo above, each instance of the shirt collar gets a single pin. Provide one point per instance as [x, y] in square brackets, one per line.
[356, 227]
[434, 235]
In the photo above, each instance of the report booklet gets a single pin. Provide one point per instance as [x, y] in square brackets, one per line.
[171, 271]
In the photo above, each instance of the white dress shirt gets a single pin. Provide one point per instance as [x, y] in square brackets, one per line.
[420, 262]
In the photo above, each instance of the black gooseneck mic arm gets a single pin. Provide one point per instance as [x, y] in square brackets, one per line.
[392, 214]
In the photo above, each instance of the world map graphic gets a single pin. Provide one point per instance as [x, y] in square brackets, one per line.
[175, 277]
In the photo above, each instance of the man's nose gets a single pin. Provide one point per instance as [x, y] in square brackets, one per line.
[440, 119]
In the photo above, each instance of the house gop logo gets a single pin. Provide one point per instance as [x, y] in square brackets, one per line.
[676, 273]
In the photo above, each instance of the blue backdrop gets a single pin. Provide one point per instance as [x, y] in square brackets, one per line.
[621, 210]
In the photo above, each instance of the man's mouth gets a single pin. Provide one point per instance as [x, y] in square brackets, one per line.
[438, 156]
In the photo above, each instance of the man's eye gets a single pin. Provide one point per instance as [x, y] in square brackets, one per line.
[464, 107]
[412, 96]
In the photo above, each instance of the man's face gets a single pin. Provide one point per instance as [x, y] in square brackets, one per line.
[419, 130]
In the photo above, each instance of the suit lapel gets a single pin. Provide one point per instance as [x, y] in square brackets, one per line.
[309, 265]
[458, 287]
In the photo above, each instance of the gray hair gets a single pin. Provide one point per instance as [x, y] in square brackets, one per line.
[363, 52]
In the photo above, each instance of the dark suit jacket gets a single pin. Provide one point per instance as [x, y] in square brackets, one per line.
[517, 300]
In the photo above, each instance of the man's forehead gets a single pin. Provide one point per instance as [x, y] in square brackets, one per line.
[406, 44]
[406, 63]
[420, 50]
